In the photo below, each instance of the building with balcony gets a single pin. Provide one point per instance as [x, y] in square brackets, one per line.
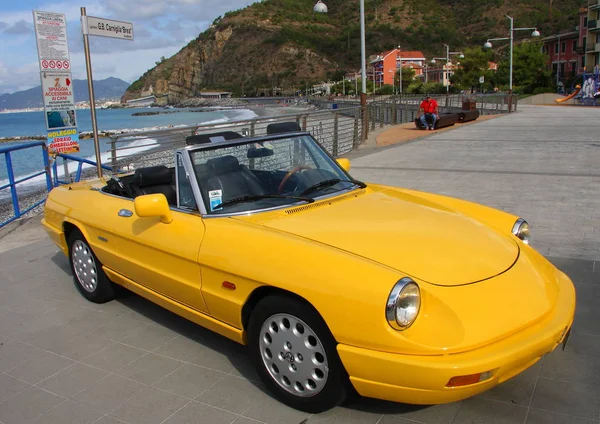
[592, 46]
[566, 50]
[384, 66]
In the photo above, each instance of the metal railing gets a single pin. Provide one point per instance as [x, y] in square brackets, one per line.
[12, 182]
[50, 171]
[339, 131]
[68, 173]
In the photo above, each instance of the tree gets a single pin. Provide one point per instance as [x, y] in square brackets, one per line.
[408, 75]
[530, 69]
[474, 65]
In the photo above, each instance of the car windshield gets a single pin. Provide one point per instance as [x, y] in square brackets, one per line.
[253, 176]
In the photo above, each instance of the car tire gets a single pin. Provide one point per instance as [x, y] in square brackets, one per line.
[295, 355]
[89, 278]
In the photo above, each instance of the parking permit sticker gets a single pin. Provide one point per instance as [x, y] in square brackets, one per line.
[215, 197]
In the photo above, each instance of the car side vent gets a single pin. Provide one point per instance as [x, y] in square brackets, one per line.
[318, 204]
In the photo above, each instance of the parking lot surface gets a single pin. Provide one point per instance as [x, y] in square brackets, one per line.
[65, 360]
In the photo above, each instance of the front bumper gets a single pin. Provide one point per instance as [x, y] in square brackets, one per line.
[422, 379]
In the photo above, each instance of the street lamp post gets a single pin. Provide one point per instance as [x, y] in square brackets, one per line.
[321, 8]
[488, 45]
[446, 72]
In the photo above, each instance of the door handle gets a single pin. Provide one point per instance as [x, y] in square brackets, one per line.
[125, 213]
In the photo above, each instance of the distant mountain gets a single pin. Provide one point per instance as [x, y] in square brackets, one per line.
[106, 89]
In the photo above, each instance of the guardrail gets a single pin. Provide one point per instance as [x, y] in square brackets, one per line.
[50, 171]
[339, 131]
[12, 182]
[79, 171]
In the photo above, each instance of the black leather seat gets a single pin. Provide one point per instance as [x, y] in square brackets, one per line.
[155, 179]
[233, 179]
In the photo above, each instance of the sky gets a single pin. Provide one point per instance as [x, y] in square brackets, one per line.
[161, 28]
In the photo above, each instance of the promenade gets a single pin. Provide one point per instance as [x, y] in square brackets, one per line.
[65, 360]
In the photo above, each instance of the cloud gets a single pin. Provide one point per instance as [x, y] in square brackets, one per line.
[16, 78]
[161, 28]
[19, 28]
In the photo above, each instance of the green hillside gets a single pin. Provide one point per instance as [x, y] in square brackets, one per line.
[284, 43]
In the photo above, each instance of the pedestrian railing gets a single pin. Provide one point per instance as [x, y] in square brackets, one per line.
[78, 173]
[50, 172]
[14, 182]
[339, 131]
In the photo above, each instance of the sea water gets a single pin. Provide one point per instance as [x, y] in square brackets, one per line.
[29, 161]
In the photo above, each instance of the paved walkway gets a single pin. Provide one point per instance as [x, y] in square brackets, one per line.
[64, 360]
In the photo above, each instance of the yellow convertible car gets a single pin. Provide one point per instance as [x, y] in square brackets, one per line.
[337, 287]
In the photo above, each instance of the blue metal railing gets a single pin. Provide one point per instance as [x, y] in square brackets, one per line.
[12, 183]
[81, 161]
[50, 171]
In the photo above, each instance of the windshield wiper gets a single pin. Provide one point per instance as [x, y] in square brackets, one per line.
[259, 197]
[331, 182]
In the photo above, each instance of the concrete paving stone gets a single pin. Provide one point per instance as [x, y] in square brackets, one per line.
[243, 366]
[119, 327]
[35, 370]
[218, 358]
[13, 353]
[198, 413]
[68, 342]
[345, 415]
[271, 411]
[21, 327]
[114, 357]
[181, 348]
[108, 420]
[584, 344]
[72, 380]
[431, 414]
[233, 394]
[567, 398]
[586, 321]
[150, 406]
[245, 420]
[10, 386]
[149, 338]
[538, 416]
[518, 390]
[27, 406]
[149, 368]
[109, 393]
[69, 412]
[476, 410]
[189, 380]
[568, 366]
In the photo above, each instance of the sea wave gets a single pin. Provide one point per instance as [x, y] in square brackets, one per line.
[136, 146]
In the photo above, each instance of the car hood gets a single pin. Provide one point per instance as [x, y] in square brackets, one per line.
[415, 236]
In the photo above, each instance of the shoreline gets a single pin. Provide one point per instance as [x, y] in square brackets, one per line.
[259, 110]
[150, 158]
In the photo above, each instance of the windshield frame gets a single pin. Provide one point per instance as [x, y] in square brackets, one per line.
[186, 155]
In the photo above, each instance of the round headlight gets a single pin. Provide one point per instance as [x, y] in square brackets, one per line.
[403, 304]
[521, 230]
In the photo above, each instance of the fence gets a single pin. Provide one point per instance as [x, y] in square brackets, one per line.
[50, 171]
[338, 131]
[12, 182]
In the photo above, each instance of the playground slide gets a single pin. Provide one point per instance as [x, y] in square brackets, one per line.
[570, 96]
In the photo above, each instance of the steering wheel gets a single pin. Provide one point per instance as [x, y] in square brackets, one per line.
[289, 174]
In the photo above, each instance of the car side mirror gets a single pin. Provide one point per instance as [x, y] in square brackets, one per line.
[344, 163]
[153, 205]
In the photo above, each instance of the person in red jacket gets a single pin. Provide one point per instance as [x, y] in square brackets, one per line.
[429, 110]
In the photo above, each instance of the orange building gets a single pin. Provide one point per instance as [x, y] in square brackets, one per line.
[385, 65]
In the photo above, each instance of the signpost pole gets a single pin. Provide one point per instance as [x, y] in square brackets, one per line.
[88, 65]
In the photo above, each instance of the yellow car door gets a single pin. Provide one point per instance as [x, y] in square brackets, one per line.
[162, 257]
